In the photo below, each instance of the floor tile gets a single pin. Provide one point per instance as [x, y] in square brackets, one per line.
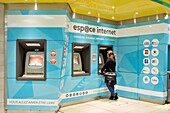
[122, 105]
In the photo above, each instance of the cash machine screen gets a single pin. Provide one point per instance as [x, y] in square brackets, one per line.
[76, 60]
[35, 60]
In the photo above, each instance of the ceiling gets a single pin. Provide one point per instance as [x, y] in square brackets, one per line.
[111, 9]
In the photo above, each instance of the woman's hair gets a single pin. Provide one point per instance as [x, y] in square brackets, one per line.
[113, 55]
[108, 52]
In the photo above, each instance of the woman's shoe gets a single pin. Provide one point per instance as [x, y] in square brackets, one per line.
[115, 97]
[111, 97]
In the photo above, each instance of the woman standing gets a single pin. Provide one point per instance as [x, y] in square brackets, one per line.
[110, 77]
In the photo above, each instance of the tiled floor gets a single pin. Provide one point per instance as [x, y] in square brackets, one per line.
[122, 105]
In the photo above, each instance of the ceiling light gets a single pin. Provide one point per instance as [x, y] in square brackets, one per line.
[35, 6]
[32, 44]
[98, 20]
[166, 16]
[121, 22]
[113, 7]
[148, 19]
[136, 13]
[134, 20]
[157, 18]
[113, 17]
[103, 48]
[74, 15]
[89, 13]
[78, 47]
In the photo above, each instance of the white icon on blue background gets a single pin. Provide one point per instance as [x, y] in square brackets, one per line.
[155, 52]
[155, 42]
[155, 61]
[146, 61]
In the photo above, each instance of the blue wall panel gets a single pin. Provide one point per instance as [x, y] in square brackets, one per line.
[36, 33]
[151, 84]
[11, 69]
[54, 70]
[161, 37]
[127, 58]
[127, 41]
[33, 89]
[129, 82]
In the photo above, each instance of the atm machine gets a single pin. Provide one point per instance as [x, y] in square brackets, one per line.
[102, 58]
[80, 59]
[31, 59]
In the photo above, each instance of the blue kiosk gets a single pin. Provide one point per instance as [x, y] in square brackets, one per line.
[54, 59]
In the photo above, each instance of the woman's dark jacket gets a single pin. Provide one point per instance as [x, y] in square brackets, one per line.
[109, 67]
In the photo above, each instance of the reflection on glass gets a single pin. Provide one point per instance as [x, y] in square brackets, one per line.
[35, 60]
[76, 61]
[100, 60]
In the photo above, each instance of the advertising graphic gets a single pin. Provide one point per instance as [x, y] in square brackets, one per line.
[155, 52]
[76, 94]
[53, 53]
[146, 79]
[94, 54]
[53, 61]
[146, 70]
[65, 51]
[66, 40]
[155, 61]
[154, 80]
[146, 61]
[64, 62]
[63, 72]
[146, 43]
[155, 42]
[61, 84]
[154, 70]
[146, 52]
[94, 59]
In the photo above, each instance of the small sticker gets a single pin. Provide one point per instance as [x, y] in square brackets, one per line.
[155, 42]
[64, 62]
[66, 40]
[154, 80]
[94, 54]
[94, 59]
[154, 70]
[146, 79]
[146, 61]
[155, 61]
[146, 43]
[146, 70]
[155, 52]
[53, 53]
[65, 51]
[53, 61]
[146, 52]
